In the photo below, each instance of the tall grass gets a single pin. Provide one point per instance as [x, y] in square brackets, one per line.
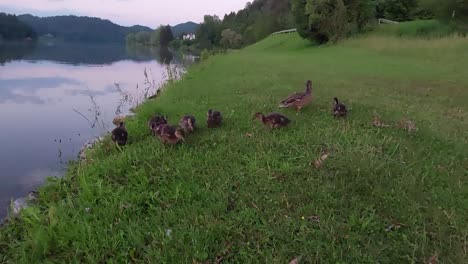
[243, 194]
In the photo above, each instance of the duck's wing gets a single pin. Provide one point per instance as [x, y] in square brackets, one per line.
[292, 99]
[279, 119]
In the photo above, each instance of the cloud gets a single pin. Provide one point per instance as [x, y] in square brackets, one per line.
[86, 92]
[10, 89]
[36, 83]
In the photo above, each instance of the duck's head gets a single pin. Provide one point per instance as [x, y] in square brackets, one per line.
[189, 124]
[335, 100]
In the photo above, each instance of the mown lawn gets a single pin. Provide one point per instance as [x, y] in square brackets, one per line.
[242, 194]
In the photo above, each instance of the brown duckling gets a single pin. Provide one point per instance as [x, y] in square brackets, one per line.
[120, 135]
[187, 123]
[339, 109]
[156, 121]
[214, 118]
[169, 134]
[273, 120]
[298, 100]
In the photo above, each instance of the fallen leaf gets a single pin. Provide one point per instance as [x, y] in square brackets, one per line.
[295, 260]
[394, 226]
[319, 162]
[314, 218]
[434, 259]
[226, 252]
[249, 135]
[407, 125]
[377, 122]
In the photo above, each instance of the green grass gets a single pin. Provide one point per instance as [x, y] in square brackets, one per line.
[417, 29]
[248, 199]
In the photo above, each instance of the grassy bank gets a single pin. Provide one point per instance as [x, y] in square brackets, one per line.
[243, 194]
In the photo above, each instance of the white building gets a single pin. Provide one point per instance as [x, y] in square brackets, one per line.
[189, 36]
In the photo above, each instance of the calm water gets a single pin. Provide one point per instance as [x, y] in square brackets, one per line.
[43, 88]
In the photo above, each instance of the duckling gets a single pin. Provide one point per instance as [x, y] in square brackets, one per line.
[169, 134]
[298, 100]
[187, 123]
[339, 109]
[156, 121]
[120, 135]
[273, 120]
[214, 118]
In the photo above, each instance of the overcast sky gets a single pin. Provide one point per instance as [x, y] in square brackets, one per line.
[127, 12]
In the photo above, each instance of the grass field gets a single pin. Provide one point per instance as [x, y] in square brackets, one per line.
[242, 194]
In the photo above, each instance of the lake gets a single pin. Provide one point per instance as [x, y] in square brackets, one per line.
[56, 97]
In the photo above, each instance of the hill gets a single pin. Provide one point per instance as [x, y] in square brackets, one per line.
[13, 29]
[188, 27]
[74, 28]
[243, 194]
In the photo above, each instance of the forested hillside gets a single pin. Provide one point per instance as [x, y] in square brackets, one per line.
[74, 28]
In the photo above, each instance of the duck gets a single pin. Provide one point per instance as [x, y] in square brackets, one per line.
[298, 100]
[187, 123]
[339, 109]
[273, 120]
[156, 121]
[214, 118]
[120, 135]
[169, 134]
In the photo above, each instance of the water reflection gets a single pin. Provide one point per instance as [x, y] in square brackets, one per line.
[89, 54]
[55, 98]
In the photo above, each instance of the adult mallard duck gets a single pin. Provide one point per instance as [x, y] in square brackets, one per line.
[187, 123]
[168, 134]
[214, 118]
[339, 109]
[156, 121]
[273, 120]
[120, 135]
[299, 100]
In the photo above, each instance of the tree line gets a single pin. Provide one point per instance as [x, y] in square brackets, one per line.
[162, 36]
[13, 29]
[320, 21]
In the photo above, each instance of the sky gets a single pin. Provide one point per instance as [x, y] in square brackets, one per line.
[127, 12]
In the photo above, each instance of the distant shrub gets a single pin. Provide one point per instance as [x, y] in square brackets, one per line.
[322, 21]
[419, 29]
[205, 54]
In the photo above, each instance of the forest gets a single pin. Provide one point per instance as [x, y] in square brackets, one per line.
[13, 29]
[321, 20]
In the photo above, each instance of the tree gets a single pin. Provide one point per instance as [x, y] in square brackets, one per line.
[399, 10]
[301, 18]
[331, 20]
[130, 39]
[231, 39]
[13, 29]
[452, 11]
[209, 32]
[142, 38]
[360, 12]
[165, 36]
[154, 38]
